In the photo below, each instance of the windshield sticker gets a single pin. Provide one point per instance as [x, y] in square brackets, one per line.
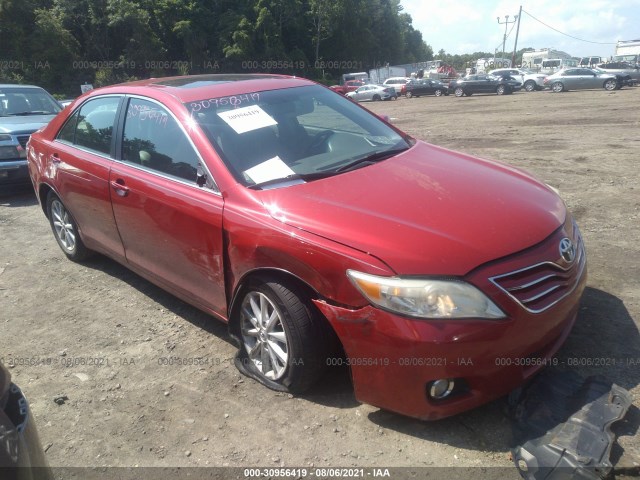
[270, 170]
[234, 100]
[247, 119]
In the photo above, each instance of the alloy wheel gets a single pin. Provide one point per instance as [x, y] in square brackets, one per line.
[263, 335]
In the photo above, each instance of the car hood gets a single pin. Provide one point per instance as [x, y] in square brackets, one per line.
[426, 211]
[24, 123]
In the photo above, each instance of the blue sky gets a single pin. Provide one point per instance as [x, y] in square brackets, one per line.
[467, 26]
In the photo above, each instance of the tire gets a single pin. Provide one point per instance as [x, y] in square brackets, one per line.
[458, 92]
[438, 93]
[530, 86]
[408, 94]
[376, 98]
[65, 230]
[610, 85]
[283, 343]
[557, 87]
[501, 90]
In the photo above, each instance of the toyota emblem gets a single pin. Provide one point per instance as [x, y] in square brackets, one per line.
[567, 250]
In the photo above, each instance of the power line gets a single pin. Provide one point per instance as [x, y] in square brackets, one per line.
[566, 34]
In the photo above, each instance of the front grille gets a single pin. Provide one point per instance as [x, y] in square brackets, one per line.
[23, 139]
[539, 287]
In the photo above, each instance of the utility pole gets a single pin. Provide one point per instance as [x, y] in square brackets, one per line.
[515, 45]
[506, 24]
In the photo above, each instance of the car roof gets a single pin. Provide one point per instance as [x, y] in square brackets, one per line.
[16, 85]
[196, 87]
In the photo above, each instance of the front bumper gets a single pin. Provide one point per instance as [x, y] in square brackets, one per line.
[395, 359]
[21, 454]
[14, 172]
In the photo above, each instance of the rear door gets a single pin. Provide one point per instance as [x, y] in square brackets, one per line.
[170, 226]
[80, 160]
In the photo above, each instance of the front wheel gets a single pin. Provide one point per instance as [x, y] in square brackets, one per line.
[501, 90]
[65, 230]
[529, 86]
[282, 340]
[557, 87]
[438, 93]
[610, 85]
[458, 92]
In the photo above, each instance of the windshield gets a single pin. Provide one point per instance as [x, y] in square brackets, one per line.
[274, 137]
[15, 101]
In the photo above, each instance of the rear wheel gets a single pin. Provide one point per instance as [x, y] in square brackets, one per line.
[557, 87]
[458, 92]
[438, 93]
[283, 342]
[610, 84]
[65, 229]
[529, 86]
[376, 98]
[408, 94]
[501, 90]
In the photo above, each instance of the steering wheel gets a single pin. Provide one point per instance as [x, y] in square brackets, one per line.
[318, 140]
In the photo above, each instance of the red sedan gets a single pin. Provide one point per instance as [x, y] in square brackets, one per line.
[312, 227]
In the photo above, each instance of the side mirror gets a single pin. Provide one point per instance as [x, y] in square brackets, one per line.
[201, 176]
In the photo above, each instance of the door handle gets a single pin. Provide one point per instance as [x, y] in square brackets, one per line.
[55, 158]
[120, 188]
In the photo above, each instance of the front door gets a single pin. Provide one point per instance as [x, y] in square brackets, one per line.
[171, 228]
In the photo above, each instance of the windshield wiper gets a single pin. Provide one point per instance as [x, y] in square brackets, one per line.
[373, 158]
[295, 176]
[40, 112]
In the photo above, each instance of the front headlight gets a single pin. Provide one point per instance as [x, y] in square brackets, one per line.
[425, 298]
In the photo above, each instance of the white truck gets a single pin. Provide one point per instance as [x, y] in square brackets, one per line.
[379, 75]
[547, 60]
[484, 65]
[627, 51]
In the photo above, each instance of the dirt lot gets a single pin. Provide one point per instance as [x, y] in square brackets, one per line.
[99, 334]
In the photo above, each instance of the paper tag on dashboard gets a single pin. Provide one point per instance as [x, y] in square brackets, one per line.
[269, 170]
[246, 119]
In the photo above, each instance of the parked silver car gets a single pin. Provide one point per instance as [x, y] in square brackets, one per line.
[579, 79]
[530, 80]
[373, 93]
[623, 68]
[23, 110]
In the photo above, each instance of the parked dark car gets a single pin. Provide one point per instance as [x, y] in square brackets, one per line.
[21, 454]
[482, 83]
[417, 88]
[312, 227]
[23, 110]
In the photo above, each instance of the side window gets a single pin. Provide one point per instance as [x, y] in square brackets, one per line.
[68, 132]
[152, 138]
[94, 129]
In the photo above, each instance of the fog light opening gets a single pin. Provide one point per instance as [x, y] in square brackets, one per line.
[442, 388]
